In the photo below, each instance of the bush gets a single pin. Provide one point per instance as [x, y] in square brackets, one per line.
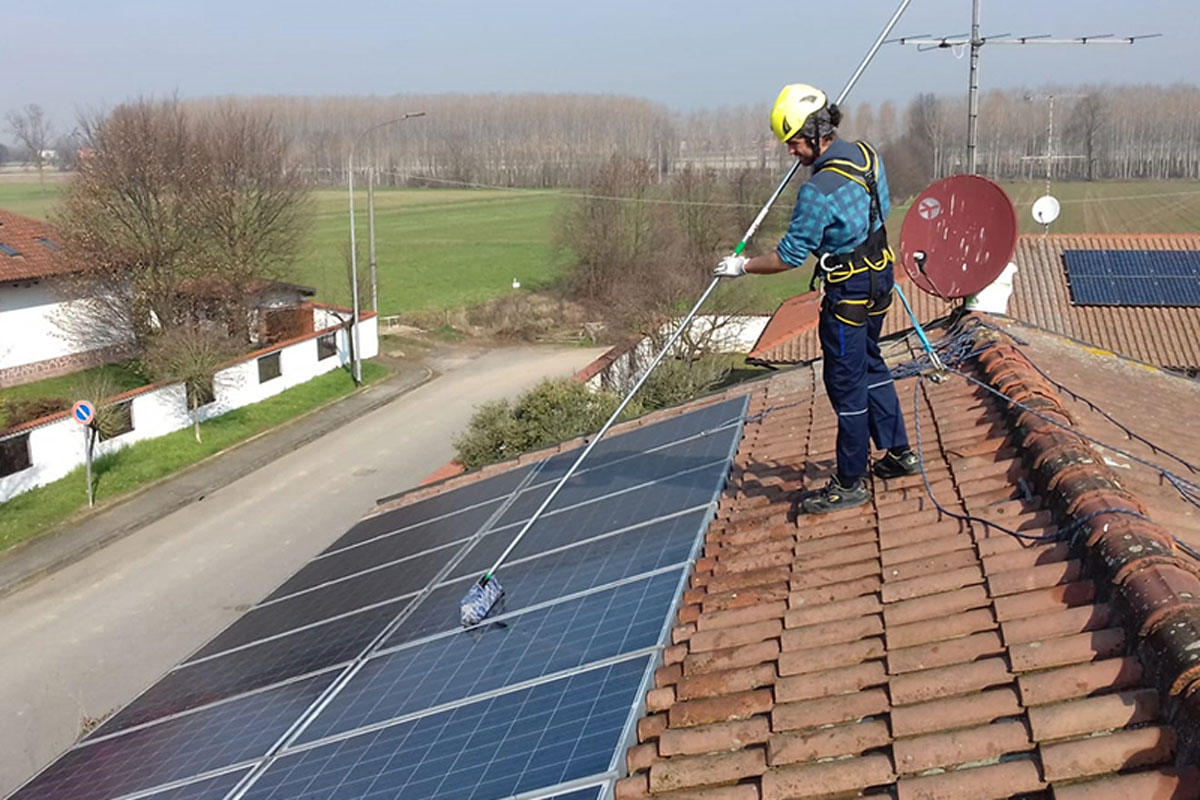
[552, 412]
[676, 381]
[18, 410]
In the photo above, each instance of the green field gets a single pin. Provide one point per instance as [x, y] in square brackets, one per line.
[448, 248]
[29, 199]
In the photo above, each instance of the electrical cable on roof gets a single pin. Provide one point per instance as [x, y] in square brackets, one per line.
[959, 348]
[979, 323]
[1059, 535]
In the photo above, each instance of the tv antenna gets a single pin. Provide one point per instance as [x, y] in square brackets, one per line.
[1046, 208]
[958, 42]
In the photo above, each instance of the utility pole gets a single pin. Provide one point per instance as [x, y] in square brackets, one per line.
[355, 359]
[976, 42]
[973, 89]
[371, 230]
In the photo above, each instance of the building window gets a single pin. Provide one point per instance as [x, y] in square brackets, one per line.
[268, 367]
[200, 395]
[14, 454]
[118, 420]
[326, 346]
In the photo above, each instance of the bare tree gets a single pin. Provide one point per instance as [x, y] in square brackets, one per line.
[33, 132]
[190, 354]
[172, 219]
[66, 151]
[252, 205]
[127, 217]
[1085, 126]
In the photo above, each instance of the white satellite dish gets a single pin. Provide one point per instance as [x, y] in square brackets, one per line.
[1045, 209]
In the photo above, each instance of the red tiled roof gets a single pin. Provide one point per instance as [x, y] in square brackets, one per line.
[36, 260]
[894, 650]
[1167, 337]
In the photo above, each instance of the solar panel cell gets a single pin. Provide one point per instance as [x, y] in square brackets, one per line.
[674, 465]
[506, 745]
[188, 745]
[390, 551]
[560, 528]
[569, 634]
[647, 437]
[453, 502]
[254, 667]
[554, 575]
[389, 582]
[590, 793]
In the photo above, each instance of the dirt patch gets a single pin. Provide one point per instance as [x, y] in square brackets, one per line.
[519, 317]
[22, 175]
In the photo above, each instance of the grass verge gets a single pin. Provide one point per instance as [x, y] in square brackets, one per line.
[117, 474]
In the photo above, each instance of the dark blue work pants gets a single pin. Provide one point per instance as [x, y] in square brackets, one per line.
[857, 381]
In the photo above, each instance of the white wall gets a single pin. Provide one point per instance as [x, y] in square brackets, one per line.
[734, 335]
[59, 446]
[35, 316]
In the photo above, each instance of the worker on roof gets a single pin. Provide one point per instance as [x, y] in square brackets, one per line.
[839, 218]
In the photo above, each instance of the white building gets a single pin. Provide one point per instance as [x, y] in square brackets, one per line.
[36, 306]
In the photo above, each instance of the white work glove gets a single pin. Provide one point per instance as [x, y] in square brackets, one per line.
[731, 267]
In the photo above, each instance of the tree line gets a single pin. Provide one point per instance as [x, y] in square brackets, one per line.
[558, 140]
[544, 140]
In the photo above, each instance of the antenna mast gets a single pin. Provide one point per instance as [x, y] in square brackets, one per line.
[976, 42]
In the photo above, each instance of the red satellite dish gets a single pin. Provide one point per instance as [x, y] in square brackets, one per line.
[958, 236]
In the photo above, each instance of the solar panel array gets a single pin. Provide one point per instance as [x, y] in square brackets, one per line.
[1133, 277]
[354, 678]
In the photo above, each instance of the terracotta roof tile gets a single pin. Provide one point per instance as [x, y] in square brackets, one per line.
[1161, 784]
[1151, 746]
[984, 782]
[919, 754]
[1082, 680]
[890, 649]
[795, 747]
[35, 242]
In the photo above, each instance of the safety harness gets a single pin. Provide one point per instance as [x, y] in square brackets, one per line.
[872, 256]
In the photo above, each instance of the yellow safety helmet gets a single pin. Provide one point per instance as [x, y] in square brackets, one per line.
[795, 104]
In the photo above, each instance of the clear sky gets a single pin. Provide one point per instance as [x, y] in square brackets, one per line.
[70, 54]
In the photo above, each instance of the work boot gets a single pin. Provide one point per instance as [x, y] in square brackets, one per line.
[836, 497]
[895, 465]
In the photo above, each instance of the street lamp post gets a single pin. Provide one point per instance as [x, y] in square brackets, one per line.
[355, 359]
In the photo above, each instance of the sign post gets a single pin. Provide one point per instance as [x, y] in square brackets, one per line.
[85, 414]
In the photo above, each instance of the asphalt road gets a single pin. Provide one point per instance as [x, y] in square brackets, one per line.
[86, 639]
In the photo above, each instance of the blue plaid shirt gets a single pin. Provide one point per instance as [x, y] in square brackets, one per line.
[832, 212]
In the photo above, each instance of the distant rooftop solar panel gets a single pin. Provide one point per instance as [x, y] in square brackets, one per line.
[9, 250]
[47, 243]
[1133, 277]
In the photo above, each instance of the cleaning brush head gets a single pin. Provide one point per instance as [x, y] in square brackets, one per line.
[480, 599]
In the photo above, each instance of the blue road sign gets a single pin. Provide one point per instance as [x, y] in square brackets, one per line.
[83, 412]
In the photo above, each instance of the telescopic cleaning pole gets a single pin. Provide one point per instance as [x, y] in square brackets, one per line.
[486, 592]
